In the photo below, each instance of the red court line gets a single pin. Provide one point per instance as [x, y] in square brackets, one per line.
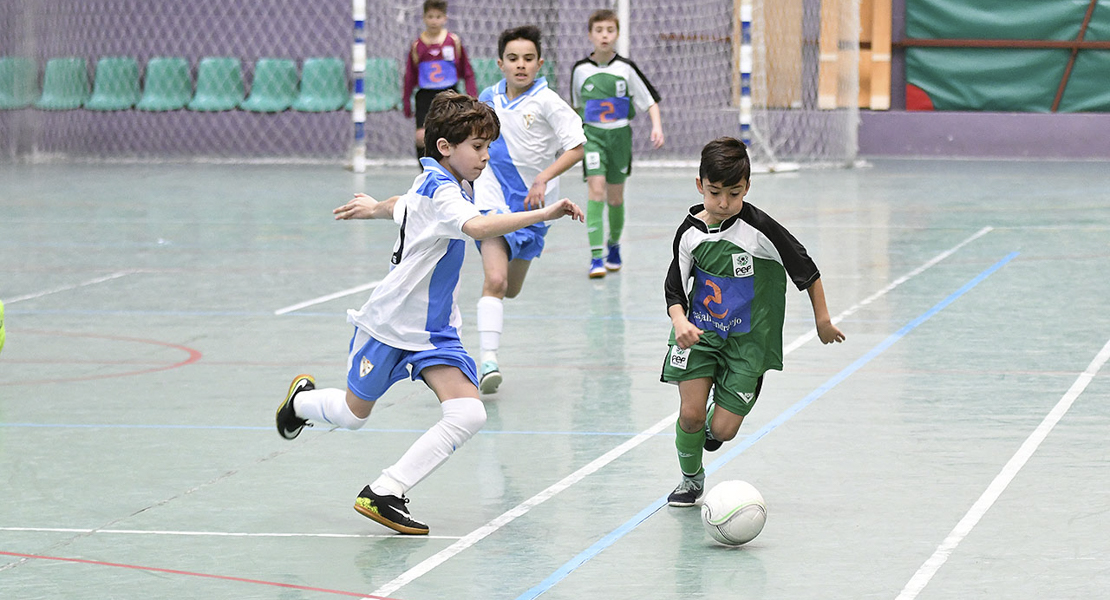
[192, 574]
[194, 356]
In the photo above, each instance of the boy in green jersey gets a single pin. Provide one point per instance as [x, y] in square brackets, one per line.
[728, 325]
[607, 89]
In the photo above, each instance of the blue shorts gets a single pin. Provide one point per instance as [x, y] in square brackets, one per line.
[525, 243]
[372, 367]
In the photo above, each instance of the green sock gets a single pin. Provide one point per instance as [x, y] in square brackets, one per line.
[616, 223]
[595, 228]
[689, 447]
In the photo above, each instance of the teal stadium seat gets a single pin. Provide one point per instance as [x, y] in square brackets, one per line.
[65, 84]
[167, 85]
[486, 72]
[18, 82]
[116, 84]
[383, 84]
[323, 85]
[274, 87]
[219, 84]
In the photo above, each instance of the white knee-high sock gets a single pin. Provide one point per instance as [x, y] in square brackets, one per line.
[491, 316]
[327, 405]
[462, 418]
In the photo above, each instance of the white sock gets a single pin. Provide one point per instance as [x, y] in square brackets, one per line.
[462, 418]
[491, 317]
[328, 405]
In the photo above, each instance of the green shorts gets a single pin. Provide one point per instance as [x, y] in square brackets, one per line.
[734, 390]
[608, 153]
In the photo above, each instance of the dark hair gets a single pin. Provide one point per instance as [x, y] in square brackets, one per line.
[455, 117]
[603, 14]
[524, 32]
[725, 161]
[440, 5]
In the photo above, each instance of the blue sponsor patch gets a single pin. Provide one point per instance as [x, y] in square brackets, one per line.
[722, 304]
[437, 74]
[607, 110]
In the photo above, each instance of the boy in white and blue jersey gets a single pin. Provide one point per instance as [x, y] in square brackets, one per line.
[541, 137]
[409, 328]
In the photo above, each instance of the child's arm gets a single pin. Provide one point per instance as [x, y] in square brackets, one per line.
[656, 126]
[686, 334]
[489, 226]
[466, 71]
[409, 83]
[566, 160]
[828, 332]
[365, 207]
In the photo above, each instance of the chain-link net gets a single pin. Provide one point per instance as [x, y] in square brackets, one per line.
[269, 79]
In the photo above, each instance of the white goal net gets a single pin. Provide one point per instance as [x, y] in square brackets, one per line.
[245, 80]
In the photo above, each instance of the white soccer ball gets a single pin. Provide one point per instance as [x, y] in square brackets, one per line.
[733, 512]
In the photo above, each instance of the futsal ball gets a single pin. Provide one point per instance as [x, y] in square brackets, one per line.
[733, 512]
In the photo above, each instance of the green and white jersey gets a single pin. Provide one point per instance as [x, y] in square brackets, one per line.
[608, 96]
[731, 282]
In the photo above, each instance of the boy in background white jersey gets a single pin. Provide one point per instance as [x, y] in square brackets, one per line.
[541, 137]
[409, 326]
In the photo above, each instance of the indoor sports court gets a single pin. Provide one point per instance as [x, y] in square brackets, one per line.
[145, 357]
[165, 273]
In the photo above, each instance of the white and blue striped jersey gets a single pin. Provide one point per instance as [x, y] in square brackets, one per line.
[415, 307]
[535, 127]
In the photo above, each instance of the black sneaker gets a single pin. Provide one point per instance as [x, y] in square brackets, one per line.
[389, 511]
[289, 425]
[689, 492]
[711, 443]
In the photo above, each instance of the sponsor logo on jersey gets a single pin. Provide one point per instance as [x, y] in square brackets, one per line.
[622, 89]
[742, 265]
[593, 160]
[364, 367]
[680, 357]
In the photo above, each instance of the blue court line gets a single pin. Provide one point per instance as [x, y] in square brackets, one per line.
[611, 538]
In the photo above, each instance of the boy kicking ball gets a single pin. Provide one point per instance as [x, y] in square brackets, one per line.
[727, 329]
[409, 328]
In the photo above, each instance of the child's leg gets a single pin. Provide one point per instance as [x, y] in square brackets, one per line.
[690, 429]
[463, 416]
[614, 194]
[338, 407]
[595, 215]
[495, 264]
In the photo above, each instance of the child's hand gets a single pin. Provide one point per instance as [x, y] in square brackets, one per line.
[829, 333]
[535, 197]
[657, 137]
[686, 334]
[564, 208]
[361, 207]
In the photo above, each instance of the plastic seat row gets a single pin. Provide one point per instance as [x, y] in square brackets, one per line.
[322, 85]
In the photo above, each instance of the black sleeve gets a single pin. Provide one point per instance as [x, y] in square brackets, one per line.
[799, 266]
[674, 288]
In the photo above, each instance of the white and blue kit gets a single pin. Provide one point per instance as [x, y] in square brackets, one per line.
[412, 319]
[535, 127]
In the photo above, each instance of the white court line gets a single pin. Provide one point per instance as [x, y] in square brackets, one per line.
[1002, 480]
[63, 288]
[322, 299]
[230, 533]
[897, 282]
[475, 536]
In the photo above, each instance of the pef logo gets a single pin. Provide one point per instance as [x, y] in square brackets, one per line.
[679, 357]
[742, 265]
